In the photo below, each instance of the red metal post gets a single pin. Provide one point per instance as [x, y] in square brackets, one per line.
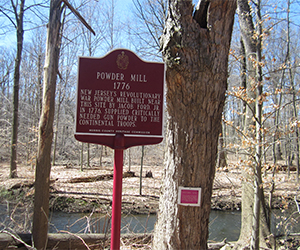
[117, 193]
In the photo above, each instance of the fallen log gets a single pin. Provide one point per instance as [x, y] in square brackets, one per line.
[55, 241]
[92, 178]
[103, 177]
[64, 240]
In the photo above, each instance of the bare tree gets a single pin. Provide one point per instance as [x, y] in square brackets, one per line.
[30, 96]
[15, 15]
[113, 25]
[68, 55]
[255, 216]
[6, 67]
[148, 26]
[43, 162]
[18, 11]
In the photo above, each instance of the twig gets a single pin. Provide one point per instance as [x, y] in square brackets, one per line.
[18, 239]
[88, 222]
[82, 240]
[146, 223]
[229, 180]
[297, 204]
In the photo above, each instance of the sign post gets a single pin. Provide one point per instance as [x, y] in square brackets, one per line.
[117, 192]
[119, 104]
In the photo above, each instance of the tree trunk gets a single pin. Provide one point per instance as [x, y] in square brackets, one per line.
[195, 50]
[40, 86]
[55, 136]
[43, 163]
[101, 155]
[248, 80]
[88, 155]
[141, 169]
[221, 162]
[129, 160]
[15, 122]
[81, 157]
[61, 96]
[258, 193]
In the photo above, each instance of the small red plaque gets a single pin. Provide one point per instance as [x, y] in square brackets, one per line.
[120, 94]
[189, 196]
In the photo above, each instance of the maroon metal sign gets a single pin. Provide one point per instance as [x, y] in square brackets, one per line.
[119, 94]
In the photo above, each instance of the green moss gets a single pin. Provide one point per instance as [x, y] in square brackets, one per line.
[5, 194]
[71, 204]
[12, 194]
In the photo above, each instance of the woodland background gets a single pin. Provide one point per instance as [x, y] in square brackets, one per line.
[139, 30]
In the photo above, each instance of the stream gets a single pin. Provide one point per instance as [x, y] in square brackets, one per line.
[223, 224]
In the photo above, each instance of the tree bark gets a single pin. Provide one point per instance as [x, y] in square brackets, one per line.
[15, 122]
[43, 162]
[195, 50]
[55, 136]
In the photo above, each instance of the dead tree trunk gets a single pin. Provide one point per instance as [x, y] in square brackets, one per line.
[43, 162]
[195, 49]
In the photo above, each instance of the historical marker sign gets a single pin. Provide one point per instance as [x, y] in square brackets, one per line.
[120, 94]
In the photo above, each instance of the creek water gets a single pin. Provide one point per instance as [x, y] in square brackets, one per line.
[223, 224]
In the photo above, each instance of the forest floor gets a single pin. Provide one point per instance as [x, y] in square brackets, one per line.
[73, 190]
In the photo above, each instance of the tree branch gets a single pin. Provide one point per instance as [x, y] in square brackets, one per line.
[76, 13]
[17, 238]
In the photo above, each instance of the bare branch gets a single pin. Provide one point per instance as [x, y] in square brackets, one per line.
[18, 239]
[9, 18]
[76, 13]
[82, 240]
[297, 204]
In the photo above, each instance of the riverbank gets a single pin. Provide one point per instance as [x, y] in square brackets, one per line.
[89, 190]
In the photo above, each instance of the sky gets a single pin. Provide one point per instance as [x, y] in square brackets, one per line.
[122, 6]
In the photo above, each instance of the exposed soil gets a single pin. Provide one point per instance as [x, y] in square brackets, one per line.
[73, 190]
